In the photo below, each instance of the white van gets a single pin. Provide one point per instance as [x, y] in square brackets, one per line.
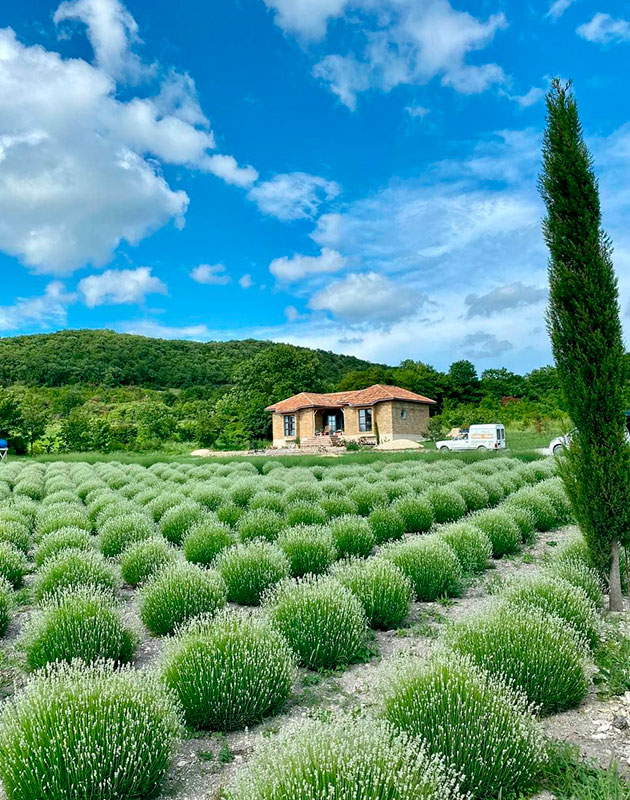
[477, 437]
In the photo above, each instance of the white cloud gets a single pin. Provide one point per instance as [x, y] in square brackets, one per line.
[368, 297]
[292, 314]
[227, 168]
[481, 345]
[211, 274]
[112, 32]
[120, 286]
[299, 266]
[246, 281]
[417, 111]
[46, 311]
[158, 331]
[557, 8]
[512, 295]
[294, 195]
[307, 18]
[530, 98]
[604, 29]
[81, 168]
[411, 43]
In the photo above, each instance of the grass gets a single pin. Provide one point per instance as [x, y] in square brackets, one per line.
[612, 659]
[568, 777]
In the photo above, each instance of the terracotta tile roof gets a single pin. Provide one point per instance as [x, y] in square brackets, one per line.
[361, 397]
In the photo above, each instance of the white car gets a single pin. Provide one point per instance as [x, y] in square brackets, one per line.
[557, 445]
[477, 437]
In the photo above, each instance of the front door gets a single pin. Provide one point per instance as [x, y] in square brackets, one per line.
[332, 423]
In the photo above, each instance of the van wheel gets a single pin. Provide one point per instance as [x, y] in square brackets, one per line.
[558, 449]
[444, 449]
[482, 447]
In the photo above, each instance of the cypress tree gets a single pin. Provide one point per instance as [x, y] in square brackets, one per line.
[586, 336]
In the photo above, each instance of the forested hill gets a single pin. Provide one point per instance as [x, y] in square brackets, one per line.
[103, 357]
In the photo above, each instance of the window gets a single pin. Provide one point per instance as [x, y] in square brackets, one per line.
[403, 413]
[289, 424]
[365, 419]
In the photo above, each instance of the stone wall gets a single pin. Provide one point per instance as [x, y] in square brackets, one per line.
[304, 427]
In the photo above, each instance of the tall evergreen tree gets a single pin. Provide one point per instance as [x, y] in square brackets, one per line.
[585, 329]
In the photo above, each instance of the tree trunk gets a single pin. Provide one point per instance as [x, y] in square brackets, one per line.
[615, 599]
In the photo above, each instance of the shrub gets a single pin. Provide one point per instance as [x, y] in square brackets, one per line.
[71, 568]
[162, 503]
[6, 603]
[229, 672]
[13, 564]
[475, 495]
[387, 525]
[352, 536]
[229, 513]
[574, 548]
[368, 497]
[322, 620]
[429, 563]
[334, 506]
[305, 514]
[470, 544]
[535, 652]
[261, 523]
[63, 539]
[15, 533]
[577, 573]
[501, 529]
[525, 521]
[556, 596]
[495, 490]
[177, 521]
[87, 731]
[309, 493]
[119, 532]
[553, 489]
[309, 548]
[211, 497]
[269, 500]
[64, 515]
[417, 513]
[484, 730]
[447, 503]
[249, 569]
[343, 758]
[539, 506]
[177, 593]
[143, 559]
[80, 622]
[382, 589]
[205, 540]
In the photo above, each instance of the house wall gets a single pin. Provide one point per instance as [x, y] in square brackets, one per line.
[304, 427]
[414, 426]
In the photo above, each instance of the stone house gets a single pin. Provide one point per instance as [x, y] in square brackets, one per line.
[378, 413]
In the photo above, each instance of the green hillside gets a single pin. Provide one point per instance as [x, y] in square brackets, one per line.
[106, 358]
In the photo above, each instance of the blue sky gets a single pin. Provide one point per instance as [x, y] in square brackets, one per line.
[357, 175]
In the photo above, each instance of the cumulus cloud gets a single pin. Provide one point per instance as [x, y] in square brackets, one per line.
[156, 330]
[46, 311]
[120, 286]
[604, 29]
[66, 130]
[482, 345]
[530, 98]
[293, 195]
[411, 43]
[227, 168]
[211, 274]
[308, 18]
[368, 297]
[299, 266]
[557, 8]
[112, 32]
[512, 295]
[246, 281]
